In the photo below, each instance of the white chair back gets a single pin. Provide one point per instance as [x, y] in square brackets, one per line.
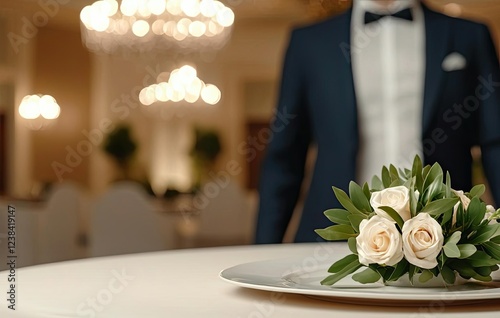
[124, 221]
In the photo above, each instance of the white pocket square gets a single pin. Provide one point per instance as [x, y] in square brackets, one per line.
[453, 62]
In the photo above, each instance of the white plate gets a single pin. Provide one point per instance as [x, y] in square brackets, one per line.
[297, 277]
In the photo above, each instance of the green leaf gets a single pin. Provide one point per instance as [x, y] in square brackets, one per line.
[448, 275]
[367, 276]
[484, 233]
[413, 198]
[351, 243]
[492, 249]
[355, 220]
[346, 201]
[346, 270]
[448, 191]
[483, 271]
[435, 172]
[338, 216]
[366, 191]
[336, 232]
[425, 276]
[386, 177]
[377, 183]
[451, 250]
[480, 259]
[394, 174]
[475, 212]
[495, 239]
[466, 250]
[412, 270]
[416, 171]
[400, 269]
[341, 263]
[433, 190]
[477, 191]
[358, 197]
[440, 206]
[394, 215]
[454, 238]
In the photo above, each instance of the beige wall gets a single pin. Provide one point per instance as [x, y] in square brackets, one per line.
[62, 69]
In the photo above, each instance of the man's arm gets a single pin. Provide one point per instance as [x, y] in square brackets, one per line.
[489, 80]
[283, 166]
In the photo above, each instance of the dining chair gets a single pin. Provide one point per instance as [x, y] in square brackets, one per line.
[125, 221]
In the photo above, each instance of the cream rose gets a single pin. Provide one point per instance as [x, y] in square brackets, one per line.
[422, 240]
[397, 198]
[379, 242]
[465, 203]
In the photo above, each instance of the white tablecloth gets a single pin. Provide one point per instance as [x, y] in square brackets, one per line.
[185, 283]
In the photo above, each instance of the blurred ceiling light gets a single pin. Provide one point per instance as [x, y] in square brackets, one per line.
[183, 85]
[39, 110]
[156, 25]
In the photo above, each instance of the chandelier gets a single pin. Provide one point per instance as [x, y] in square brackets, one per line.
[182, 85]
[158, 26]
[39, 111]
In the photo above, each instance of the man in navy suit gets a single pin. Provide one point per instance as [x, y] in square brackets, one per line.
[376, 85]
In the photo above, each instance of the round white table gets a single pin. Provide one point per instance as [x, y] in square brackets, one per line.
[186, 283]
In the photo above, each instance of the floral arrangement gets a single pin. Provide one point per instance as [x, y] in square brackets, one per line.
[412, 222]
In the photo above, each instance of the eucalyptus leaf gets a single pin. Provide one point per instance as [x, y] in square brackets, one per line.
[345, 201]
[367, 276]
[435, 172]
[475, 212]
[484, 233]
[351, 243]
[394, 215]
[341, 263]
[454, 238]
[377, 183]
[477, 191]
[386, 177]
[358, 197]
[338, 216]
[400, 269]
[466, 250]
[366, 191]
[440, 206]
[448, 191]
[355, 220]
[451, 250]
[492, 249]
[346, 270]
[417, 173]
[425, 276]
[433, 190]
[448, 275]
[336, 232]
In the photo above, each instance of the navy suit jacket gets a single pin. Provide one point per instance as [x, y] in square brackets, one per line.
[317, 104]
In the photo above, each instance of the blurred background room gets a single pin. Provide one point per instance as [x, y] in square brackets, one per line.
[138, 144]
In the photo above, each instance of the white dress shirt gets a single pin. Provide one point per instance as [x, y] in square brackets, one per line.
[388, 60]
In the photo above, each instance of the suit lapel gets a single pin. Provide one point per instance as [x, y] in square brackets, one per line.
[436, 46]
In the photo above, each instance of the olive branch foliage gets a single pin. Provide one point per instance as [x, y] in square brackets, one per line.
[471, 246]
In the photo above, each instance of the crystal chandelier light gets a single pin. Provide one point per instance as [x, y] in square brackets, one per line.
[182, 86]
[39, 111]
[158, 26]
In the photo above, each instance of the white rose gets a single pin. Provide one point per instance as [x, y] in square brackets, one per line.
[379, 242]
[465, 203]
[397, 198]
[490, 210]
[422, 240]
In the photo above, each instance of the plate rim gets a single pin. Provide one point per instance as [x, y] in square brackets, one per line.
[278, 285]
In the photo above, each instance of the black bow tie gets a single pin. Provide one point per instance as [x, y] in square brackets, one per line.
[405, 14]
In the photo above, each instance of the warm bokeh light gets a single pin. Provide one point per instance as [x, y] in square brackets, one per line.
[183, 85]
[39, 106]
[182, 25]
